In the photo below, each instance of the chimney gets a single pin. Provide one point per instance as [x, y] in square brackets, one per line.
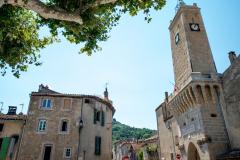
[106, 94]
[12, 110]
[232, 56]
[41, 86]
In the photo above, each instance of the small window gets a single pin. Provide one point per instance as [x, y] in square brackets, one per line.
[213, 115]
[97, 115]
[87, 101]
[68, 153]
[64, 126]
[184, 124]
[46, 103]
[192, 119]
[97, 145]
[67, 104]
[1, 127]
[42, 125]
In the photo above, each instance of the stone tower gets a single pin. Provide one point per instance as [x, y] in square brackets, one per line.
[194, 113]
[191, 51]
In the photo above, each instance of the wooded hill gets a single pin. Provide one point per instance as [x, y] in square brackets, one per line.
[122, 131]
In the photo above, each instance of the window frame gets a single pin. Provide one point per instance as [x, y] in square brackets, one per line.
[60, 126]
[42, 104]
[65, 152]
[38, 126]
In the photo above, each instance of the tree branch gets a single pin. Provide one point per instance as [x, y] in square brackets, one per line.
[98, 3]
[46, 11]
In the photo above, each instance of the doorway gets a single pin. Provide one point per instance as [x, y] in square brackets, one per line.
[193, 152]
[47, 152]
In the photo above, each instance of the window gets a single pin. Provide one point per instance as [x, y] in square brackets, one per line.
[67, 104]
[46, 103]
[87, 101]
[64, 126]
[42, 125]
[97, 145]
[99, 117]
[1, 127]
[213, 115]
[68, 153]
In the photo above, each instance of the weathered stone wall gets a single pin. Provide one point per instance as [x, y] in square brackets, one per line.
[231, 88]
[192, 53]
[33, 141]
[166, 133]
[11, 127]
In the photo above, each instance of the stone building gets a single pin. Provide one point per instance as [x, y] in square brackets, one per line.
[130, 149]
[67, 126]
[200, 120]
[11, 126]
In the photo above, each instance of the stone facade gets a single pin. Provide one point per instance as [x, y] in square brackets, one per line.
[200, 119]
[67, 126]
[10, 134]
[231, 84]
[131, 149]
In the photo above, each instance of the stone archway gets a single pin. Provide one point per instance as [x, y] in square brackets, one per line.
[192, 152]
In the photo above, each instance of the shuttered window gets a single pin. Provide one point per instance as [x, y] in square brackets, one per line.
[102, 118]
[97, 145]
[95, 116]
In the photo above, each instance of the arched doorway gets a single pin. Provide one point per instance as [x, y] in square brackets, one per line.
[193, 152]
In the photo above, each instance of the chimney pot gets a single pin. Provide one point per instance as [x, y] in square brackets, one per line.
[232, 56]
[12, 110]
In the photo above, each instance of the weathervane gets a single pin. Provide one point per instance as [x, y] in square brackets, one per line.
[106, 84]
[179, 4]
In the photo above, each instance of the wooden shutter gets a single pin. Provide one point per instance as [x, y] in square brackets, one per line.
[95, 116]
[4, 148]
[97, 145]
[102, 118]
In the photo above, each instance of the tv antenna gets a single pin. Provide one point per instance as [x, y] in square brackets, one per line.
[21, 108]
[1, 109]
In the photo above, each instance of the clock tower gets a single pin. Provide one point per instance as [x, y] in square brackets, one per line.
[191, 51]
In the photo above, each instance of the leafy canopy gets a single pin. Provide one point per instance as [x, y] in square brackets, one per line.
[20, 42]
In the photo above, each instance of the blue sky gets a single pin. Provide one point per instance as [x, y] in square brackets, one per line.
[136, 62]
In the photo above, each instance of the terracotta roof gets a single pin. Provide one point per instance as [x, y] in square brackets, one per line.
[12, 117]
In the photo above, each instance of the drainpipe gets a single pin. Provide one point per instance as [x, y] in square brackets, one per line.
[79, 131]
[174, 151]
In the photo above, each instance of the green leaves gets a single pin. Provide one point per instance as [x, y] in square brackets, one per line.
[19, 40]
[122, 131]
[19, 35]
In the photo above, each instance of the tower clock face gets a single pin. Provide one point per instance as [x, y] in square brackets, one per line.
[194, 27]
[177, 38]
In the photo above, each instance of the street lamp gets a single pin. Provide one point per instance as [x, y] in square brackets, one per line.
[81, 124]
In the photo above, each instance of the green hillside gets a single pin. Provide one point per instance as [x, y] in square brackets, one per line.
[122, 131]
